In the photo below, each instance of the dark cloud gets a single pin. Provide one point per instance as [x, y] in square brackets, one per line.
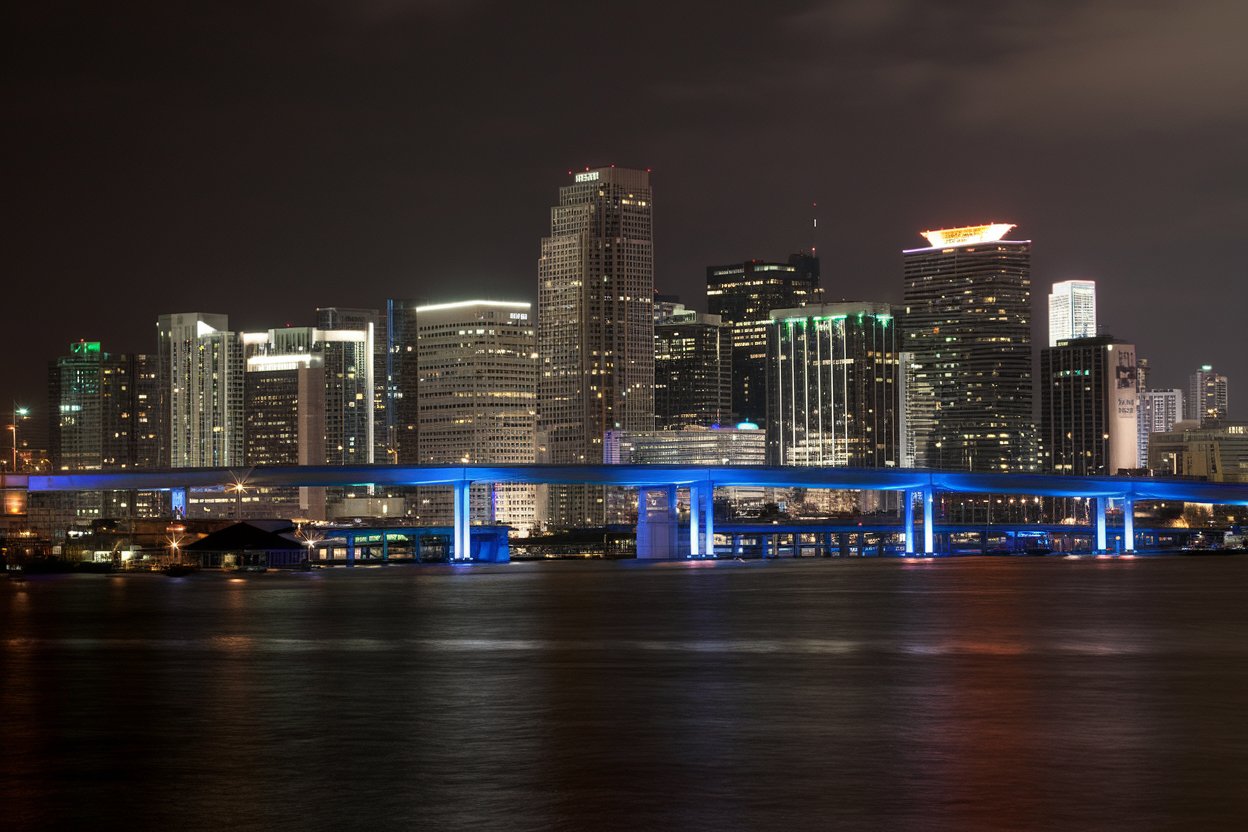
[263, 159]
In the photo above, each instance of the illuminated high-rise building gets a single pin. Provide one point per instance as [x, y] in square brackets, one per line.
[968, 324]
[692, 370]
[1207, 399]
[1160, 411]
[595, 327]
[102, 410]
[355, 419]
[400, 375]
[1088, 406]
[833, 383]
[478, 402]
[201, 374]
[744, 295]
[1072, 310]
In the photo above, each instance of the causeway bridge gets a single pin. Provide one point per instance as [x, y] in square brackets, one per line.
[657, 487]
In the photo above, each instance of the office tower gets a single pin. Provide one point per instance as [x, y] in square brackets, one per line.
[595, 331]
[1143, 373]
[201, 373]
[832, 383]
[665, 306]
[1217, 453]
[692, 370]
[353, 396]
[1160, 410]
[401, 376]
[744, 296]
[1072, 310]
[968, 323]
[1088, 412]
[478, 397]
[99, 410]
[285, 398]
[1206, 396]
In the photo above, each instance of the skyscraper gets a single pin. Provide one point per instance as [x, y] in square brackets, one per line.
[355, 421]
[1206, 396]
[692, 370]
[1088, 406]
[400, 380]
[595, 326]
[1072, 310]
[833, 384]
[968, 324]
[1160, 410]
[101, 406]
[744, 295]
[478, 399]
[201, 373]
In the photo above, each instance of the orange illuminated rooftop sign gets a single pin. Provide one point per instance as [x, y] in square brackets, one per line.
[968, 234]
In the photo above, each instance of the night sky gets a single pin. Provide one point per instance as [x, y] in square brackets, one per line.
[261, 162]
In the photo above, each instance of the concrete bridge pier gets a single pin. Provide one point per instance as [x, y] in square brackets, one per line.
[1101, 544]
[1128, 524]
[657, 523]
[462, 534]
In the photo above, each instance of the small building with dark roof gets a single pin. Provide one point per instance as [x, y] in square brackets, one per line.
[246, 546]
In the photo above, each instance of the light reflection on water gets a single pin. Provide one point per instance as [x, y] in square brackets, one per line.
[1029, 693]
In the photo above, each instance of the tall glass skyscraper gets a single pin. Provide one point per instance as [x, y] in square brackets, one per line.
[595, 327]
[744, 295]
[1072, 310]
[201, 378]
[833, 381]
[1207, 399]
[968, 325]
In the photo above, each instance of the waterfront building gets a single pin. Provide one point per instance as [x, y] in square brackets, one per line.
[1160, 411]
[478, 367]
[355, 419]
[1217, 453]
[1072, 310]
[692, 370]
[744, 295]
[401, 379]
[968, 323]
[595, 331]
[1206, 396]
[1088, 402]
[744, 444]
[833, 382]
[201, 381]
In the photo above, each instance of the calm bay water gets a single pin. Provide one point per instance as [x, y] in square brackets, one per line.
[955, 694]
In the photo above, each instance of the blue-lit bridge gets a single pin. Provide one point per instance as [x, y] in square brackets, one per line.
[657, 486]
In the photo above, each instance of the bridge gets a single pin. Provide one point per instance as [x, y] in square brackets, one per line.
[657, 486]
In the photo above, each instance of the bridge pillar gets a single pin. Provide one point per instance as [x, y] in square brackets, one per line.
[1101, 545]
[907, 498]
[736, 545]
[657, 522]
[708, 519]
[462, 537]
[695, 525]
[350, 549]
[385, 546]
[929, 521]
[1128, 524]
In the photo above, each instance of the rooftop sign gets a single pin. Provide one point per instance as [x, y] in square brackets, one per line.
[968, 235]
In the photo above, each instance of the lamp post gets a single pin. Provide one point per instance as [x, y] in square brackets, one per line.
[18, 412]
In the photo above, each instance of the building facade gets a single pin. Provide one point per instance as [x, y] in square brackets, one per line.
[744, 295]
[1072, 310]
[201, 381]
[1217, 453]
[833, 382]
[1207, 400]
[595, 327]
[1088, 406]
[478, 369]
[692, 370]
[968, 324]
[355, 419]
[1160, 411]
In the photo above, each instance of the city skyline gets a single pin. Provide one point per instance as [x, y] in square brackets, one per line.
[183, 178]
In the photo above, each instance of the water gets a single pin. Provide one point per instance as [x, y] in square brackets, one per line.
[954, 694]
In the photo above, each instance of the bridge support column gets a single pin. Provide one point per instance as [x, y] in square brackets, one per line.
[1128, 524]
[1101, 544]
[929, 521]
[736, 545]
[695, 525]
[708, 519]
[462, 537]
[907, 498]
[385, 546]
[350, 550]
[657, 523]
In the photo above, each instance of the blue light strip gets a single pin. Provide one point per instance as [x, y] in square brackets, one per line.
[870, 479]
